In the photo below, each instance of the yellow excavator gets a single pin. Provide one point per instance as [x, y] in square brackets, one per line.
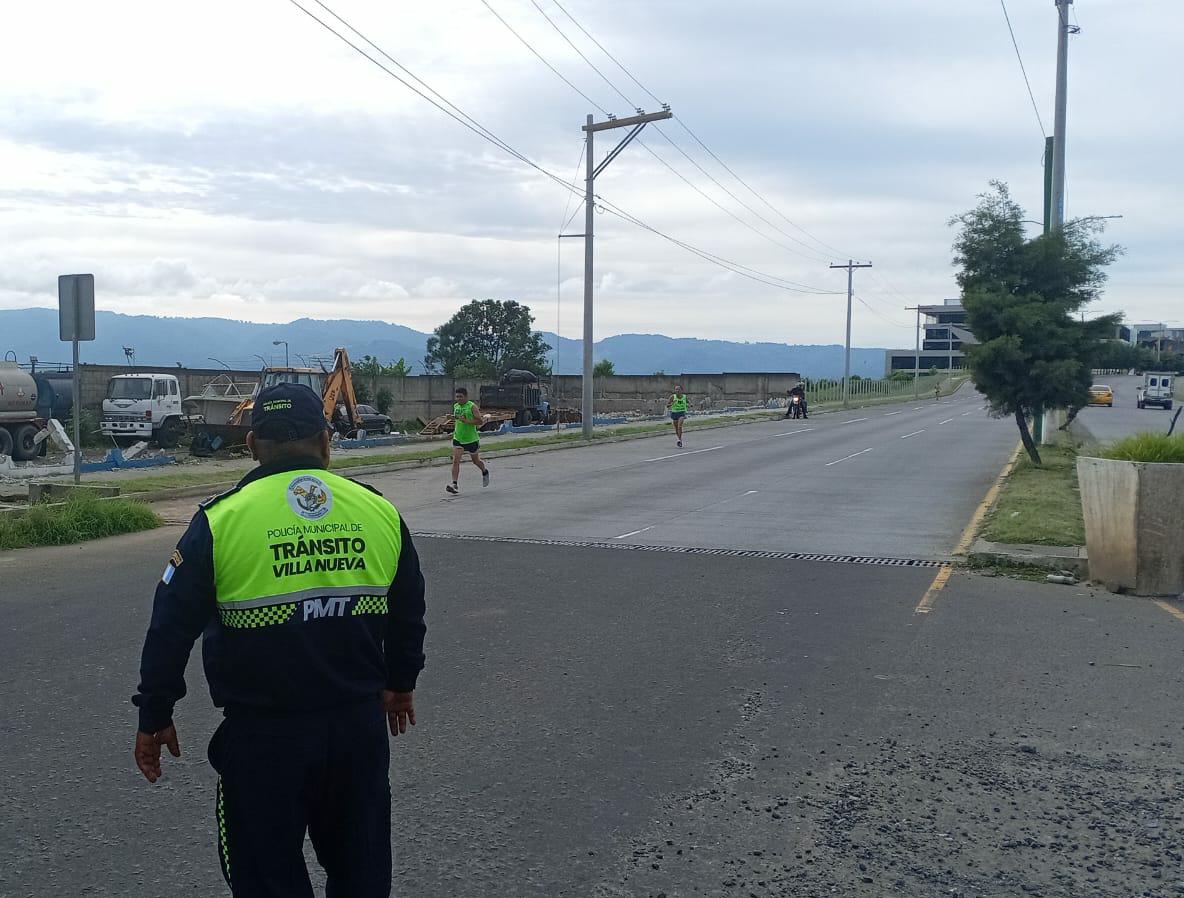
[335, 385]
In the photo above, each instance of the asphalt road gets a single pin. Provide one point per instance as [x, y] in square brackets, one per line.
[642, 723]
[898, 481]
[1108, 424]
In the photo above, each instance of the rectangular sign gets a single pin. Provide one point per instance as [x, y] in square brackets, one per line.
[76, 307]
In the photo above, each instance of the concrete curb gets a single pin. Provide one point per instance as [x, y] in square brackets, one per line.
[1053, 558]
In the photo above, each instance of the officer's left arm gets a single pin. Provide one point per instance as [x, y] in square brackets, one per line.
[183, 606]
[405, 627]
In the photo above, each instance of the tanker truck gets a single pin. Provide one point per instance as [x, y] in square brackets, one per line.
[20, 419]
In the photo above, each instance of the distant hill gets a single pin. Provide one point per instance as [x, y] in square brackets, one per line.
[193, 342]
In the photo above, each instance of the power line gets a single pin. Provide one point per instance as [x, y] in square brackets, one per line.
[814, 258]
[603, 50]
[1023, 70]
[882, 317]
[458, 115]
[550, 66]
[682, 124]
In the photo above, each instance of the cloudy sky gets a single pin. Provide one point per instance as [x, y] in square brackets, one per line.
[236, 159]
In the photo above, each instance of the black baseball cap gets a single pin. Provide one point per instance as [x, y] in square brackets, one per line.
[287, 412]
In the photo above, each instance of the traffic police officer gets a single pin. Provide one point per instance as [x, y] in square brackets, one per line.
[308, 590]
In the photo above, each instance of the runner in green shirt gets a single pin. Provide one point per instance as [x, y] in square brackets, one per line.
[678, 411]
[465, 438]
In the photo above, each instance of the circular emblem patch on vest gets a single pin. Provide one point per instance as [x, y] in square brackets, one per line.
[309, 497]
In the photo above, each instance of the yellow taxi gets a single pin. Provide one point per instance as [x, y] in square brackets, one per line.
[1100, 394]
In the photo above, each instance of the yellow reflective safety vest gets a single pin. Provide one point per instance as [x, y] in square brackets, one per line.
[300, 546]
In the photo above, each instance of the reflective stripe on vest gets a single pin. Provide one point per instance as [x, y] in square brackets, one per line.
[305, 536]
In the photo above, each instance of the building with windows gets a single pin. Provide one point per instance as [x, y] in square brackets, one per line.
[943, 336]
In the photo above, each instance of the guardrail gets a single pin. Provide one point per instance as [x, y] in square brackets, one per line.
[818, 392]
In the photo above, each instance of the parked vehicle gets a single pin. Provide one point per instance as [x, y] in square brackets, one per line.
[1156, 389]
[20, 420]
[145, 406]
[521, 393]
[1100, 394]
[335, 387]
[374, 421]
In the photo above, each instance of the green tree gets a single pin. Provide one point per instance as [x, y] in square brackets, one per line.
[384, 400]
[485, 339]
[603, 368]
[370, 367]
[1022, 299]
[362, 392]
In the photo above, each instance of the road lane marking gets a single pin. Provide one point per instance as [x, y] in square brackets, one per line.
[913, 434]
[1171, 609]
[918, 408]
[939, 582]
[971, 412]
[890, 414]
[790, 433]
[854, 421]
[946, 421]
[852, 455]
[635, 532]
[683, 454]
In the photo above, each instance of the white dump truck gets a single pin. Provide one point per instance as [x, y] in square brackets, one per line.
[1156, 389]
[143, 406]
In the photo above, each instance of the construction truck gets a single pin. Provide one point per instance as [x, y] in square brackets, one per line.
[520, 393]
[335, 387]
[21, 419]
[143, 406]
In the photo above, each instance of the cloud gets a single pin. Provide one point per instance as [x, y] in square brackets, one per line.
[236, 160]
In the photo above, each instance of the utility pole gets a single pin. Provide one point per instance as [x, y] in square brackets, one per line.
[635, 123]
[916, 354]
[1064, 29]
[850, 266]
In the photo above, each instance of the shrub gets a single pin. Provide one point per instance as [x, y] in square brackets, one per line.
[1148, 447]
[82, 517]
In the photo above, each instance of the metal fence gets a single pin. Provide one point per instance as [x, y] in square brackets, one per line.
[863, 390]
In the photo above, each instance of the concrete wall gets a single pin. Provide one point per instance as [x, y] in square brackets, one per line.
[427, 397]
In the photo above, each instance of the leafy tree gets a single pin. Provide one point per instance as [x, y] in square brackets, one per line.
[1022, 299]
[485, 339]
[603, 368]
[384, 400]
[370, 367]
[362, 392]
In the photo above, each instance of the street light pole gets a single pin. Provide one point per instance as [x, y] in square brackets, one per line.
[285, 342]
[1057, 202]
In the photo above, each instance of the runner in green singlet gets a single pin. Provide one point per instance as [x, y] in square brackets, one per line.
[678, 411]
[465, 438]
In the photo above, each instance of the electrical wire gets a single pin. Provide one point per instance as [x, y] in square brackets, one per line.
[681, 123]
[458, 115]
[1023, 70]
[882, 317]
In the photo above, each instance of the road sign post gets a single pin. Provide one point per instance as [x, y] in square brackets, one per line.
[76, 322]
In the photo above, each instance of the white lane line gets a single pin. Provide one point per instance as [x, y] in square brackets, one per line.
[635, 532]
[790, 433]
[890, 414]
[913, 434]
[918, 408]
[852, 455]
[946, 421]
[683, 454]
[853, 421]
[971, 412]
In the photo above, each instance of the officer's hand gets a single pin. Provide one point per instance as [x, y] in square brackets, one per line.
[148, 750]
[400, 710]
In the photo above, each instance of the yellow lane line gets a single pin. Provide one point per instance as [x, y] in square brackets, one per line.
[939, 582]
[1171, 609]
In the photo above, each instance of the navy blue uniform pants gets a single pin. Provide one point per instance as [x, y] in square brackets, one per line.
[325, 773]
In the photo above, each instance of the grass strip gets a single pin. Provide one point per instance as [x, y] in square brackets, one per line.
[80, 518]
[1039, 506]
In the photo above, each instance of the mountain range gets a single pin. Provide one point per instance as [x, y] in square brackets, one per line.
[206, 342]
